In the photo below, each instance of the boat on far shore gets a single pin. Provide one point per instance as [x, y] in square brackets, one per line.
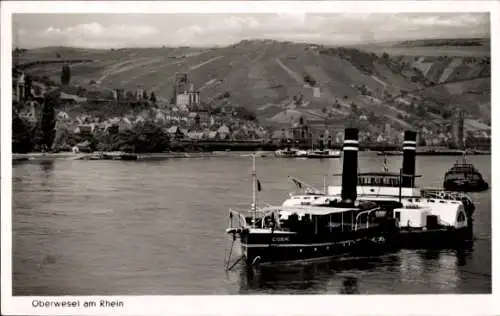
[326, 153]
[116, 155]
[311, 154]
[436, 152]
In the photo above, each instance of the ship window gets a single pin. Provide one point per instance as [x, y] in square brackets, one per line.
[417, 200]
[398, 215]
[410, 200]
[442, 201]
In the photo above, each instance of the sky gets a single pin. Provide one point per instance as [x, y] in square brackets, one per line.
[155, 30]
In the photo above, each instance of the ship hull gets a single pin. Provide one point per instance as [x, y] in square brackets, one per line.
[434, 238]
[291, 249]
[464, 186]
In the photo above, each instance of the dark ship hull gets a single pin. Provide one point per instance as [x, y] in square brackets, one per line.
[443, 238]
[463, 185]
[268, 248]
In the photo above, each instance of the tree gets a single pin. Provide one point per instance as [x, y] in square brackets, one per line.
[129, 96]
[372, 118]
[145, 137]
[27, 87]
[22, 134]
[354, 108]
[152, 98]
[48, 119]
[421, 112]
[309, 79]
[65, 75]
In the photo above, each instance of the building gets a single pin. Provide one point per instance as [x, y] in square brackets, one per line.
[316, 92]
[19, 86]
[188, 98]
[301, 132]
[139, 93]
[119, 94]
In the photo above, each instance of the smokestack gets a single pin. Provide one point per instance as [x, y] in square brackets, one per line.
[350, 165]
[409, 153]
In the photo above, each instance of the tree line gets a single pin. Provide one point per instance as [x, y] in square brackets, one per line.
[40, 134]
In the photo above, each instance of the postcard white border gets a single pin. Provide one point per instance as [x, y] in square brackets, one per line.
[247, 304]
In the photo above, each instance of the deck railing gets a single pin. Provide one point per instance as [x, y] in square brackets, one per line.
[237, 219]
[359, 219]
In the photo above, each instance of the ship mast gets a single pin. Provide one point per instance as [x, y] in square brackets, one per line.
[254, 185]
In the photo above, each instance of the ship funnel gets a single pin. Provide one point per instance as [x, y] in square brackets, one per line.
[350, 165]
[409, 153]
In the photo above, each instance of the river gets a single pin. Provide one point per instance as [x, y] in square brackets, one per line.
[157, 228]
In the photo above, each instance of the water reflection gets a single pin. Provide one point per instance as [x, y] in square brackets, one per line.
[342, 275]
[463, 255]
[47, 166]
[430, 254]
[350, 286]
[417, 272]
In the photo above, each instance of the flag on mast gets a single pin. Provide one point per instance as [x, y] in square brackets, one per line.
[259, 187]
[297, 183]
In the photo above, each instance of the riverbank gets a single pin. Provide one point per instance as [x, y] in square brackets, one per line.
[120, 156]
[179, 155]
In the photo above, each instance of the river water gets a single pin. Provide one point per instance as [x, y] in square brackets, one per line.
[157, 228]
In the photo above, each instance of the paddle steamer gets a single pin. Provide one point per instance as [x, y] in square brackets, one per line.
[425, 217]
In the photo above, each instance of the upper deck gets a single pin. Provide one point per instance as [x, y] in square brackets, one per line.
[380, 184]
[463, 168]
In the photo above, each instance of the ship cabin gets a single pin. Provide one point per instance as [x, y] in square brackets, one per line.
[435, 214]
[381, 184]
[306, 220]
[463, 171]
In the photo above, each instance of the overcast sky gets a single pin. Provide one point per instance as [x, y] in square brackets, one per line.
[126, 30]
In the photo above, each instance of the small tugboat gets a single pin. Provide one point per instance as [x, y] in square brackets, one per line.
[298, 234]
[286, 153]
[464, 177]
[436, 212]
[326, 153]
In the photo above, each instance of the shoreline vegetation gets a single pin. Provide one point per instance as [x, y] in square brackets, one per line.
[36, 156]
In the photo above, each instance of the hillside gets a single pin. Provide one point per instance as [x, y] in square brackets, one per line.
[281, 81]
